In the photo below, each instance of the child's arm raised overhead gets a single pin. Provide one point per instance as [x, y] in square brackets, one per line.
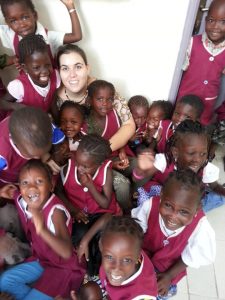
[60, 241]
[104, 198]
[76, 34]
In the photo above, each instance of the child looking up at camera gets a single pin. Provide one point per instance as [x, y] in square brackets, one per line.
[22, 19]
[189, 107]
[36, 84]
[53, 267]
[177, 233]
[159, 110]
[206, 50]
[188, 149]
[139, 107]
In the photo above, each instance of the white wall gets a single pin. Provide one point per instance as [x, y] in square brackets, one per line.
[133, 43]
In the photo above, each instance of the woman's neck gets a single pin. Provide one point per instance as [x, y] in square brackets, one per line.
[79, 98]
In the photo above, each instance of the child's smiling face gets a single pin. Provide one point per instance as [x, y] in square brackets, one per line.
[20, 19]
[120, 254]
[39, 67]
[183, 112]
[102, 101]
[71, 121]
[35, 187]
[215, 23]
[178, 205]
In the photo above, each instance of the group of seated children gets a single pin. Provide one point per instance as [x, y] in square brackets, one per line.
[101, 224]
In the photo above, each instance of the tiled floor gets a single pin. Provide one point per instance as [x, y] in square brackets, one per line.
[208, 283]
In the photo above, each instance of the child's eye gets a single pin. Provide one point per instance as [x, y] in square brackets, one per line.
[39, 181]
[108, 257]
[25, 17]
[36, 68]
[184, 212]
[13, 22]
[127, 260]
[167, 205]
[203, 154]
[23, 183]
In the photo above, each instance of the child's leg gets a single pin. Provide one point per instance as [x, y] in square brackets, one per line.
[15, 280]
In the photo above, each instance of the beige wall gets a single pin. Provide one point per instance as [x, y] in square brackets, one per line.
[132, 43]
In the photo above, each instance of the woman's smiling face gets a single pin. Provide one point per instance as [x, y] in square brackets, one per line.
[74, 72]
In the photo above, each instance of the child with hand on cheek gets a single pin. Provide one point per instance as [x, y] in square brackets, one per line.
[177, 232]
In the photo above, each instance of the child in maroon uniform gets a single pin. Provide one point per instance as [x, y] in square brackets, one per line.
[87, 181]
[205, 62]
[177, 233]
[37, 82]
[26, 134]
[125, 272]
[53, 265]
[139, 107]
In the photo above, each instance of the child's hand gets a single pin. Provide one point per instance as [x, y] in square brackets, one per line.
[80, 216]
[120, 165]
[54, 167]
[137, 136]
[86, 180]
[38, 219]
[146, 160]
[7, 191]
[5, 296]
[83, 250]
[164, 283]
[68, 3]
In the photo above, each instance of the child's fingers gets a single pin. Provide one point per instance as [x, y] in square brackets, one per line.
[73, 295]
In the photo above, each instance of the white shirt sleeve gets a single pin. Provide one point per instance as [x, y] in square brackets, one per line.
[160, 162]
[142, 213]
[210, 173]
[201, 247]
[187, 56]
[16, 89]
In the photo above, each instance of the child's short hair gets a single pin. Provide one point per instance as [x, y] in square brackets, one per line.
[5, 3]
[29, 44]
[165, 106]
[72, 105]
[96, 146]
[193, 101]
[32, 125]
[125, 225]
[138, 100]
[70, 48]
[100, 84]
[37, 164]
[187, 179]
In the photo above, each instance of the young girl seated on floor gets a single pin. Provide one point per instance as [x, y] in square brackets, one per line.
[188, 148]
[177, 233]
[53, 266]
[87, 181]
[158, 111]
[139, 107]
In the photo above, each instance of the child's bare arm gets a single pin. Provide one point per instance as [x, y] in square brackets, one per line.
[7, 191]
[60, 241]
[164, 279]
[104, 198]
[217, 188]
[76, 213]
[9, 103]
[76, 34]
[96, 227]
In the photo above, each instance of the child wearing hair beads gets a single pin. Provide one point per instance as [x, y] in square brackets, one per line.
[87, 182]
[22, 19]
[36, 84]
[188, 149]
[139, 107]
[53, 267]
[177, 233]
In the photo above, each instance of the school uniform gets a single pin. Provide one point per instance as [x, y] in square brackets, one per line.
[202, 77]
[79, 195]
[60, 275]
[141, 285]
[167, 130]
[26, 92]
[194, 243]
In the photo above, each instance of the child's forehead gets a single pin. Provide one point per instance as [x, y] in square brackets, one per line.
[217, 7]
